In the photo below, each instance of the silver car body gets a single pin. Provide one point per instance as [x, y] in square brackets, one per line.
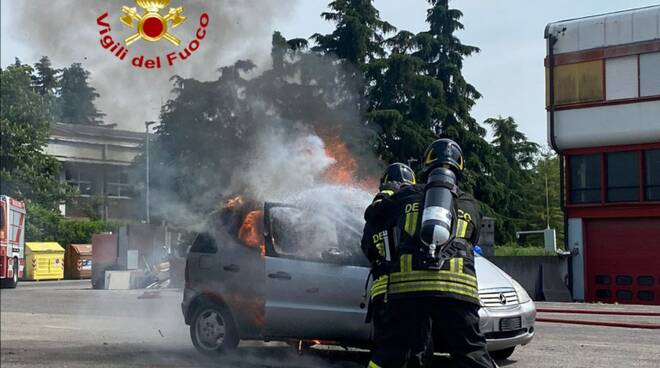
[321, 300]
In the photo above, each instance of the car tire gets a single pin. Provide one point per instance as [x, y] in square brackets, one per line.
[502, 354]
[11, 283]
[212, 329]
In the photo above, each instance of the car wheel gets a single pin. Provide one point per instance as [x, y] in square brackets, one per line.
[11, 283]
[212, 329]
[502, 354]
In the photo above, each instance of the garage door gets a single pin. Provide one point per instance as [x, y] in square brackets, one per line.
[623, 261]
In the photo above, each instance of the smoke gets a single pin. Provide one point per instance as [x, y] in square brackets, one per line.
[281, 165]
[67, 32]
[231, 142]
[326, 221]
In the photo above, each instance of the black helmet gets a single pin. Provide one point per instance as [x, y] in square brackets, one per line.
[398, 173]
[443, 152]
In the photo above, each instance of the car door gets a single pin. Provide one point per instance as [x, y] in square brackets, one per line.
[313, 290]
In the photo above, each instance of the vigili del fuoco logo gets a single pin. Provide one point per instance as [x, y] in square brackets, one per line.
[149, 25]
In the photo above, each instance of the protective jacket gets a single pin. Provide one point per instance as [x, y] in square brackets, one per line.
[377, 244]
[406, 276]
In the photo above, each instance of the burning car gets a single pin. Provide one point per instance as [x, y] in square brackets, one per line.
[298, 274]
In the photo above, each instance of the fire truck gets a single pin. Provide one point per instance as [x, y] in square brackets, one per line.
[12, 241]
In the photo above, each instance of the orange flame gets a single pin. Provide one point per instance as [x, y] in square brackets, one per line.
[344, 169]
[251, 231]
[234, 201]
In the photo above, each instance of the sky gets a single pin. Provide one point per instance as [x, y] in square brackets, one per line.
[508, 71]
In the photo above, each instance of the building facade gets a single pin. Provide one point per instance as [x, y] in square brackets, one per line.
[603, 103]
[98, 161]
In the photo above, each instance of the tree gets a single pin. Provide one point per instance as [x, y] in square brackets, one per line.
[545, 176]
[77, 97]
[202, 129]
[358, 36]
[515, 159]
[26, 172]
[512, 144]
[46, 82]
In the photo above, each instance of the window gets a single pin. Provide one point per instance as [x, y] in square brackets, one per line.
[603, 294]
[603, 279]
[646, 295]
[624, 295]
[645, 280]
[652, 176]
[2, 216]
[311, 235]
[649, 74]
[624, 280]
[579, 82]
[621, 77]
[623, 177]
[118, 185]
[80, 178]
[585, 178]
[204, 243]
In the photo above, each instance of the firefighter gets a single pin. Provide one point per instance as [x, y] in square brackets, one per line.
[417, 297]
[376, 245]
[396, 176]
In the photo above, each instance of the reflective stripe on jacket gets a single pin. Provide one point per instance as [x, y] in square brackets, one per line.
[407, 277]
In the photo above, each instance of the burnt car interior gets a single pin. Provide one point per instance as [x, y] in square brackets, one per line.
[313, 235]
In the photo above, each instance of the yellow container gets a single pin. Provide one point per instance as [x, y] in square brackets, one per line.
[44, 261]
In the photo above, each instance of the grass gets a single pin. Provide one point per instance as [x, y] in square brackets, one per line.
[511, 250]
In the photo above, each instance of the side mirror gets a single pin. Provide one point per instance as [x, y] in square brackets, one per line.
[336, 255]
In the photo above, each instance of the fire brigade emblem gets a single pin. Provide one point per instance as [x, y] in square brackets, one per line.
[151, 26]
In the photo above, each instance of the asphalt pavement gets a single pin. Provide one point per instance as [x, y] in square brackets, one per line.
[67, 324]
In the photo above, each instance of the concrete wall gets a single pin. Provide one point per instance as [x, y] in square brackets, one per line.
[530, 272]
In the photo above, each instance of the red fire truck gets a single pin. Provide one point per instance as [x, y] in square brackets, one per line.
[12, 241]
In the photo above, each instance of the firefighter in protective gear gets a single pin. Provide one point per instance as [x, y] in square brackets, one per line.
[411, 300]
[394, 178]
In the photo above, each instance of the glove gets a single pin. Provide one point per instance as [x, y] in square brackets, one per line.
[454, 248]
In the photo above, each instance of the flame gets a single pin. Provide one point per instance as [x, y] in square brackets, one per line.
[251, 231]
[234, 201]
[344, 170]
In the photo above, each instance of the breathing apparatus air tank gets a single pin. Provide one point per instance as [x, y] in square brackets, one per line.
[437, 216]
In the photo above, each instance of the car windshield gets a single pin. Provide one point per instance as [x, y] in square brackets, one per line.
[308, 233]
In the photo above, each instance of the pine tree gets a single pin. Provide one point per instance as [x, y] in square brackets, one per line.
[76, 97]
[358, 36]
[511, 143]
[516, 157]
[443, 54]
[45, 80]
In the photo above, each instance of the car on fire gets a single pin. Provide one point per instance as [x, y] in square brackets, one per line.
[300, 276]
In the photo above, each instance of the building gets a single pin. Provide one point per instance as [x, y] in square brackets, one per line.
[603, 103]
[99, 162]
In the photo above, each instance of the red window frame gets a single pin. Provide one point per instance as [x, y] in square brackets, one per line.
[603, 151]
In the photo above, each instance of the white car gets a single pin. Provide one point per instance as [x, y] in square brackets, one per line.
[312, 289]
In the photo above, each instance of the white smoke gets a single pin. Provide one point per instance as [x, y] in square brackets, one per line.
[67, 32]
[281, 165]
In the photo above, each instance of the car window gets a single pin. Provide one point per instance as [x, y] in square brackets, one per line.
[204, 243]
[311, 235]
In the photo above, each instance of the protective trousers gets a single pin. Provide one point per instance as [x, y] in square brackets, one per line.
[402, 329]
